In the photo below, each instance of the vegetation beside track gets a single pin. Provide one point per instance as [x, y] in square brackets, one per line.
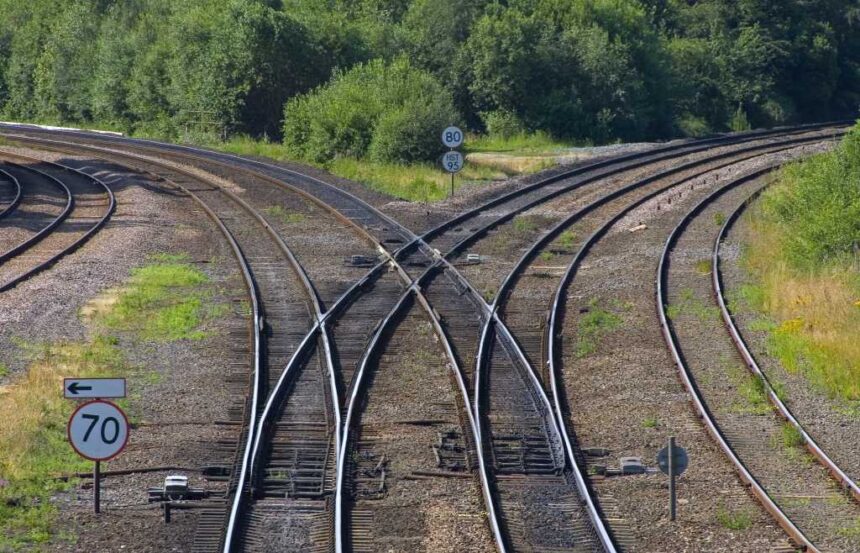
[33, 447]
[415, 181]
[802, 248]
[164, 300]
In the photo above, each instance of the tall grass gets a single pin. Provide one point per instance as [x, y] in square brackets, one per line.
[33, 445]
[801, 239]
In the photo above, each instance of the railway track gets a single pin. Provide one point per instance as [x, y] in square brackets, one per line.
[10, 193]
[523, 321]
[55, 211]
[801, 496]
[445, 280]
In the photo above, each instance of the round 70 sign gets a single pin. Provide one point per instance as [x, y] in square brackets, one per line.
[98, 430]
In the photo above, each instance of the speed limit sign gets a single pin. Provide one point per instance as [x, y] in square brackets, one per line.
[452, 137]
[98, 430]
[452, 161]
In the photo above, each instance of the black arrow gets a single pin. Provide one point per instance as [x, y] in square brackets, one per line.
[74, 387]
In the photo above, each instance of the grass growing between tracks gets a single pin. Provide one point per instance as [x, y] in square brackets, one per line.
[164, 300]
[802, 250]
[33, 447]
[591, 327]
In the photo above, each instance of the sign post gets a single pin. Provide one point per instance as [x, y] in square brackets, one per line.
[98, 431]
[452, 161]
[673, 461]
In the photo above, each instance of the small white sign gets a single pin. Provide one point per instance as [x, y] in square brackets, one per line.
[452, 162]
[452, 137]
[87, 388]
[98, 430]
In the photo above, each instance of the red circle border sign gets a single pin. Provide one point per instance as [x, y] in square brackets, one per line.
[72, 417]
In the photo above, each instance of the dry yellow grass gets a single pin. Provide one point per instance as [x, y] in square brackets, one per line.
[816, 312]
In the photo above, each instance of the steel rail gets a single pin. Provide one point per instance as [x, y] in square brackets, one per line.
[837, 473]
[390, 258]
[687, 378]
[310, 292]
[511, 342]
[42, 233]
[256, 313]
[77, 243]
[16, 200]
[417, 240]
[500, 298]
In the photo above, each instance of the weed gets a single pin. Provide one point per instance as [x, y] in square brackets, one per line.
[650, 422]
[4, 370]
[720, 218]
[546, 256]
[852, 531]
[592, 326]
[520, 143]
[791, 436]
[566, 240]
[732, 519]
[690, 304]
[524, 224]
[753, 390]
[703, 266]
[285, 216]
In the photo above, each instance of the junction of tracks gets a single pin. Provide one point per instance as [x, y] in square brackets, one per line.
[436, 378]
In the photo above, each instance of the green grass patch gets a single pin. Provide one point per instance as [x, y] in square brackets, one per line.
[517, 144]
[852, 531]
[284, 215]
[752, 389]
[703, 266]
[421, 182]
[689, 304]
[720, 218]
[650, 422]
[734, 519]
[566, 240]
[791, 436]
[4, 370]
[163, 301]
[592, 326]
[33, 446]
[546, 256]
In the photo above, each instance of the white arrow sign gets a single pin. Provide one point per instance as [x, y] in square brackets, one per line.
[77, 388]
[98, 430]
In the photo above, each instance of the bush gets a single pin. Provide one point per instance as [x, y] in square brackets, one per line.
[503, 123]
[817, 205]
[389, 112]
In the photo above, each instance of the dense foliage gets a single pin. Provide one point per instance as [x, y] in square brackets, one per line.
[817, 206]
[578, 69]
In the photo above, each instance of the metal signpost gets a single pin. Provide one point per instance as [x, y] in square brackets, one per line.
[97, 430]
[452, 161]
[673, 461]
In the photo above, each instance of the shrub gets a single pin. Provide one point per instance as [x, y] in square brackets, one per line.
[389, 112]
[503, 123]
[817, 205]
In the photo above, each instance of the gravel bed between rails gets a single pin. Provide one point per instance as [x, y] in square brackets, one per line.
[630, 379]
[409, 399]
[178, 408]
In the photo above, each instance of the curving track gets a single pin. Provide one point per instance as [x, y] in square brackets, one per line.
[56, 209]
[529, 452]
[801, 496]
